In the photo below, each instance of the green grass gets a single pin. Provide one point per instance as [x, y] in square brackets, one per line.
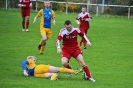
[110, 58]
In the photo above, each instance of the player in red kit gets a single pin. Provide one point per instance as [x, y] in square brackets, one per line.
[70, 48]
[84, 18]
[25, 12]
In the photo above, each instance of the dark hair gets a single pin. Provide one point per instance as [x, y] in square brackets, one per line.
[67, 22]
[83, 7]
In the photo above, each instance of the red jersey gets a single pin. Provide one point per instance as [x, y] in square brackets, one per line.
[24, 2]
[69, 38]
[82, 17]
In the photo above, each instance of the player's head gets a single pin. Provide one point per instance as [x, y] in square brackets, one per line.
[83, 10]
[47, 4]
[68, 25]
[32, 57]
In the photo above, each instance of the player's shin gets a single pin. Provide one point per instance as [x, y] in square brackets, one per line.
[27, 24]
[66, 70]
[42, 46]
[87, 71]
[42, 49]
[23, 24]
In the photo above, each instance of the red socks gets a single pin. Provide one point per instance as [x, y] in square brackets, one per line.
[68, 66]
[23, 24]
[27, 24]
[86, 70]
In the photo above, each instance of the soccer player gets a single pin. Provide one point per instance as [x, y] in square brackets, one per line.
[47, 15]
[84, 18]
[25, 12]
[70, 48]
[30, 68]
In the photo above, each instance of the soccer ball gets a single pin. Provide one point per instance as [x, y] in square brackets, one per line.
[85, 77]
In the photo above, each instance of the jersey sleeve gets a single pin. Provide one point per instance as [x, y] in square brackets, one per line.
[40, 12]
[89, 16]
[77, 19]
[24, 63]
[20, 3]
[59, 38]
[53, 14]
[28, 63]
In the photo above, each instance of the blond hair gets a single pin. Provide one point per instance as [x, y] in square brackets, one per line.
[31, 57]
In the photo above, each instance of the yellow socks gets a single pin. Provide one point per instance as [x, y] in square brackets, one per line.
[42, 49]
[54, 77]
[66, 70]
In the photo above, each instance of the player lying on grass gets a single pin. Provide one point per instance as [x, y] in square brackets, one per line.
[30, 68]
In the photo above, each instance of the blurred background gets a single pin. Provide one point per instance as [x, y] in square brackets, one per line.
[110, 7]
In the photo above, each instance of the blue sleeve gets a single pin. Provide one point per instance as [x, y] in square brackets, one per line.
[24, 63]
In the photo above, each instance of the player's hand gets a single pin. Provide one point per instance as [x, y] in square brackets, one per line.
[78, 23]
[59, 50]
[53, 22]
[34, 20]
[89, 44]
[87, 19]
[23, 5]
[25, 73]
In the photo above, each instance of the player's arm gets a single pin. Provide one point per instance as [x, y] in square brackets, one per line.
[53, 21]
[58, 44]
[20, 4]
[24, 63]
[77, 19]
[38, 15]
[53, 18]
[88, 41]
[84, 36]
[30, 3]
[35, 18]
[88, 19]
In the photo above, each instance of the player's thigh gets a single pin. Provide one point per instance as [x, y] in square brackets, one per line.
[28, 12]
[42, 75]
[66, 53]
[76, 52]
[53, 69]
[82, 30]
[23, 13]
[44, 37]
[48, 33]
[43, 33]
[80, 60]
[27, 18]
[41, 70]
[64, 60]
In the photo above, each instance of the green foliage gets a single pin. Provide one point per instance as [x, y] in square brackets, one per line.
[109, 58]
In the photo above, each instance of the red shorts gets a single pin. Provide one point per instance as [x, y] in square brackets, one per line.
[84, 30]
[25, 12]
[69, 52]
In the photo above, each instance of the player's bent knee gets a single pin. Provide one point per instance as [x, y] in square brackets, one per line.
[65, 64]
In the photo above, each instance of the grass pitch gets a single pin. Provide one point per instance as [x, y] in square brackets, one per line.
[110, 58]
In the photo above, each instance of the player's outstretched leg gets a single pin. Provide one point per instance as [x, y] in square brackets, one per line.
[84, 42]
[87, 71]
[80, 44]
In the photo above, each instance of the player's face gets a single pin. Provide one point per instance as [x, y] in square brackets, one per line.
[83, 10]
[47, 4]
[68, 27]
[34, 60]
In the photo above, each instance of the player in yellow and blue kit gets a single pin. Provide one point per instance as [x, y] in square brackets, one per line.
[47, 15]
[42, 70]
